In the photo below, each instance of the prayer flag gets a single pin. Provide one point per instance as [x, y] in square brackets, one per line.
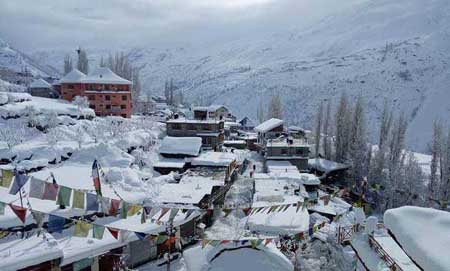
[173, 213]
[310, 231]
[104, 204]
[50, 191]
[19, 181]
[114, 232]
[2, 208]
[163, 212]
[123, 209]
[243, 242]
[55, 223]
[140, 235]
[78, 199]
[267, 241]
[96, 178]
[287, 207]
[143, 216]
[227, 212]
[36, 188]
[161, 239]
[81, 229]
[98, 231]
[299, 204]
[246, 211]
[214, 243]
[223, 242]
[304, 204]
[7, 176]
[38, 217]
[64, 196]
[315, 228]
[114, 207]
[259, 242]
[91, 202]
[188, 213]
[133, 209]
[254, 243]
[204, 243]
[20, 212]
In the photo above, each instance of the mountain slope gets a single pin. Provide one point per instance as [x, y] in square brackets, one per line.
[13, 60]
[383, 49]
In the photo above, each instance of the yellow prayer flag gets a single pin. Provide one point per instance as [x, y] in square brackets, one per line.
[133, 209]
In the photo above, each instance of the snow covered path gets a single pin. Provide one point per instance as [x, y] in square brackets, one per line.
[370, 258]
[396, 252]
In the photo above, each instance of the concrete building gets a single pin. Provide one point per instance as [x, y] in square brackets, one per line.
[288, 149]
[218, 112]
[108, 93]
[210, 131]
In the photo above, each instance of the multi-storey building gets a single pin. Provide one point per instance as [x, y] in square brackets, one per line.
[108, 93]
[211, 131]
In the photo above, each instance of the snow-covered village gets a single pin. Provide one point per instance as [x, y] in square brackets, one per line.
[225, 135]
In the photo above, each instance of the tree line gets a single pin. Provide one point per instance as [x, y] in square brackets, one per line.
[386, 172]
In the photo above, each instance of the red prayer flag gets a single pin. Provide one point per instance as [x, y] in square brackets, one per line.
[114, 232]
[20, 212]
[163, 212]
[96, 178]
[246, 211]
[224, 242]
[115, 203]
[267, 241]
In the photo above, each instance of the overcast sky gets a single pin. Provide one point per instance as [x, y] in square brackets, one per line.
[58, 24]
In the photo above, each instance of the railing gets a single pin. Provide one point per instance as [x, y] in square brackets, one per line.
[384, 255]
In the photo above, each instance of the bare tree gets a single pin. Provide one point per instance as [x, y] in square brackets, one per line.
[275, 108]
[82, 103]
[328, 133]
[318, 130]
[260, 111]
[68, 65]
[83, 61]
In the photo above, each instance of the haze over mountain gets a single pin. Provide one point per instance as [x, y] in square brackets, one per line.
[394, 50]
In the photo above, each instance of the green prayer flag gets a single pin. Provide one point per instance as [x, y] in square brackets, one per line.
[173, 213]
[64, 196]
[259, 242]
[98, 231]
[78, 199]
[82, 229]
[7, 176]
[315, 228]
[123, 210]
[161, 239]
[254, 243]
[2, 208]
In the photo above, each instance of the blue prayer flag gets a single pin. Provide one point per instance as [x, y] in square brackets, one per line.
[55, 223]
[19, 181]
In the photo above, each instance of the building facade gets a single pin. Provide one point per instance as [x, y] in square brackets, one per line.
[210, 131]
[108, 93]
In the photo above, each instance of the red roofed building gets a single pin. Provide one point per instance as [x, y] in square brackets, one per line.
[108, 93]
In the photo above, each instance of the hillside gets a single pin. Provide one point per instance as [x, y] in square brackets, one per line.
[379, 49]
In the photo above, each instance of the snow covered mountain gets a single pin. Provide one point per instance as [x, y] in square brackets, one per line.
[13, 60]
[383, 49]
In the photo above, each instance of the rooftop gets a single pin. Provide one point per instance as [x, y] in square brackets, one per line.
[101, 75]
[268, 125]
[40, 83]
[181, 145]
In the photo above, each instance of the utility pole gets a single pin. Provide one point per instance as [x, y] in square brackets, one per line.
[170, 232]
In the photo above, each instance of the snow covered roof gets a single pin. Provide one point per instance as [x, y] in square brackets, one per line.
[40, 83]
[214, 159]
[181, 145]
[286, 222]
[183, 120]
[169, 163]
[248, 122]
[230, 257]
[74, 76]
[21, 253]
[211, 108]
[103, 75]
[423, 233]
[268, 125]
[325, 165]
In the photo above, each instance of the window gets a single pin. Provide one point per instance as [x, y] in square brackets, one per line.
[191, 127]
[92, 106]
[176, 126]
[299, 152]
[123, 106]
[124, 97]
[207, 127]
[91, 97]
[108, 106]
[107, 97]
[124, 115]
[283, 151]
[70, 87]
